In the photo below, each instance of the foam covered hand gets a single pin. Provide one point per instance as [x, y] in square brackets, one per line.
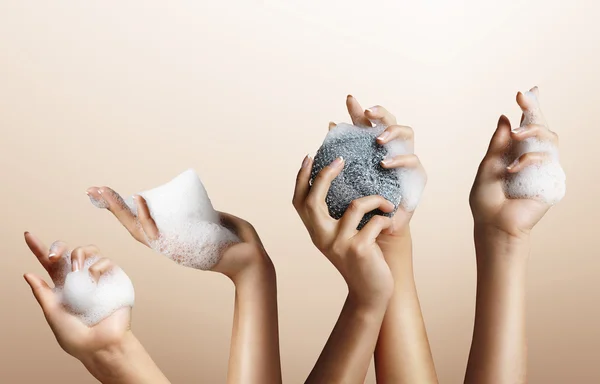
[89, 308]
[520, 177]
[178, 220]
[379, 160]
[353, 252]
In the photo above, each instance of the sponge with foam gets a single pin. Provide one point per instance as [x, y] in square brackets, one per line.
[546, 181]
[89, 300]
[191, 233]
[363, 174]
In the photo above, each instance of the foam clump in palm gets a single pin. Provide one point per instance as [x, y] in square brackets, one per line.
[191, 233]
[89, 300]
[363, 174]
[544, 181]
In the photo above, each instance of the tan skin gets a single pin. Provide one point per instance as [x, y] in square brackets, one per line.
[109, 349]
[381, 313]
[502, 228]
[254, 354]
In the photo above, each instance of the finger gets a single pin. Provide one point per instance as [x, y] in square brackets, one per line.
[315, 200]
[356, 112]
[378, 224]
[100, 267]
[145, 219]
[527, 159]
[393, 132]
[529, 104]
[358, 209]
[116, 205]
[501, 138]
[80, 254]
[332, 125]
[540, 132]
[380, 116]
[38, 249]
[42, 292]
[302, 183]
[401, 161]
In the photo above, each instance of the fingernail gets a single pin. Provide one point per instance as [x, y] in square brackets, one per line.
[306, 161]
[51, 255]
[337, 162]
[371, 110]
[513, 164]
[519, 130]
[99, 191]
[75, 266]
[349, 96]
[383, 136]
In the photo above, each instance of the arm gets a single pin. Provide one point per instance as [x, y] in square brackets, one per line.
[254, 354]
[503, 223]
[347, 354]
[403, 354]
[499, 348]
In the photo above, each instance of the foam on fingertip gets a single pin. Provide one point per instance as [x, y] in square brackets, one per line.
[191, 233]
[363, 174]
[546, 181]
[89, 300]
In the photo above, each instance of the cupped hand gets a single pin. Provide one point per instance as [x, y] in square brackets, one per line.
[236, 259]
[490, 206]
[355, 254]
[75, 337]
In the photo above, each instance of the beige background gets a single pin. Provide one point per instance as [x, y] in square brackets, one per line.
[129, 94]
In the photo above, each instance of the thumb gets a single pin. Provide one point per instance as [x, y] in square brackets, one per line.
[530, 105]
[42, 292]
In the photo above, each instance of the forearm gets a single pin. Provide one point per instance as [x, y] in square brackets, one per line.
[403, 354]
[499, 347]
[347, 354]
[254, 355]
[126, 363]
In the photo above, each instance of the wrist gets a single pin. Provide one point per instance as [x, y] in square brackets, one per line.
[262, 272]
[368, 308]
[491, 241]
[111, 364]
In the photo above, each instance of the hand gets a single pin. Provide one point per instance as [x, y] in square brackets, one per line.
[355, 254]
[380, 116]
[236, 259]
[74, 337]
[490, 207]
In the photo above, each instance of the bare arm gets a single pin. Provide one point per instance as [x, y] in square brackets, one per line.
[254, 354]
[403, 354]
[347, 354]
[499, 347]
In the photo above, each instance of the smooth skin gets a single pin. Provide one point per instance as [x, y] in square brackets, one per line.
[254, 353]
[502, 229]
[109, 350]
[403, 354]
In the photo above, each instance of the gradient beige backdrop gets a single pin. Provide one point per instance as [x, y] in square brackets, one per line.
[129, 94]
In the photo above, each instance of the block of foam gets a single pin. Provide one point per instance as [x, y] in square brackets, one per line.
[545, 182]
[89, 300]
[363, 174]
[191, 233]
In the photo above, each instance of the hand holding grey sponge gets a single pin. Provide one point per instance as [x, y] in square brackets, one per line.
[363, 174]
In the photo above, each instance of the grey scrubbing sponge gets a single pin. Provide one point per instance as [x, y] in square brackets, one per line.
[363, 174]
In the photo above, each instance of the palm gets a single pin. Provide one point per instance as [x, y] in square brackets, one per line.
[75, 337]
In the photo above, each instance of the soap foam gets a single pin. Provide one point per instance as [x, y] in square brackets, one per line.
[547, 181]
[363, 174]
[190, 230]
[91, 301]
